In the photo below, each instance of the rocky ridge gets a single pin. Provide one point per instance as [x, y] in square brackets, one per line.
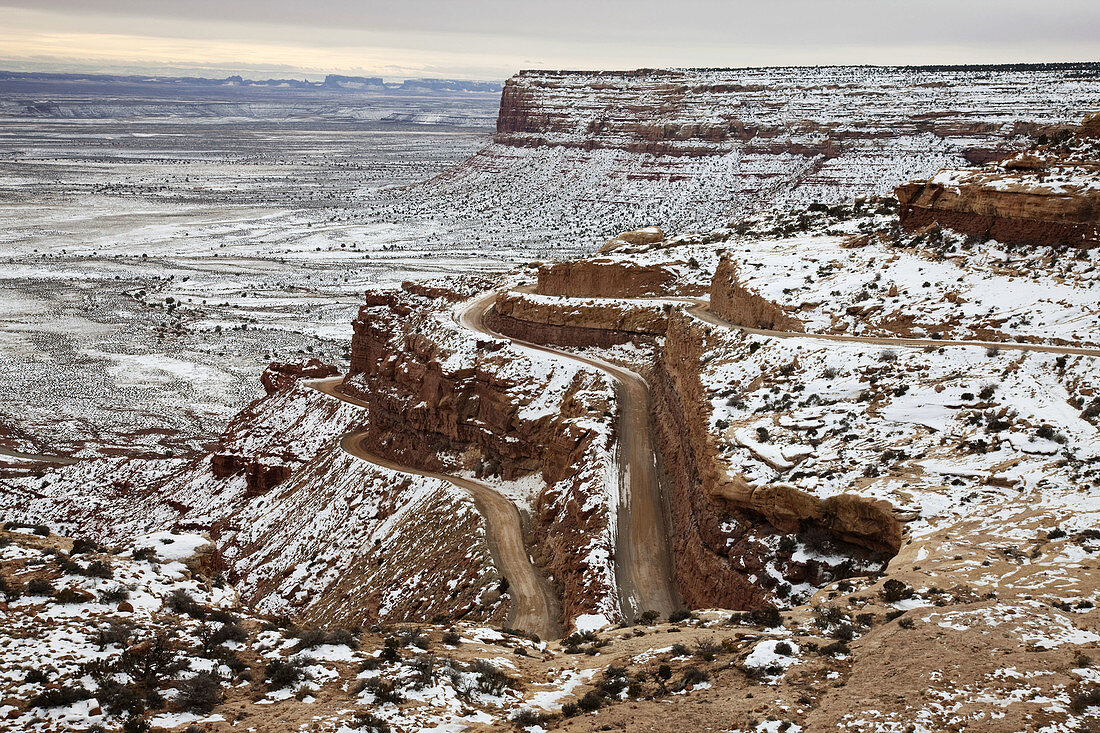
[1045, 195]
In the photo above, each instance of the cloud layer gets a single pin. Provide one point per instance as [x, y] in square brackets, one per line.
[494, 38]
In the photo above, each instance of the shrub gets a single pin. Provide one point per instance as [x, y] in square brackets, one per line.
[693, 676]
[986, 392]
[384, 691]
[767, 616]
[81, 546]
[119, 698]
[888, 356]
[451, 638]
[1084, 699]
[152, 660]
[56, 697]
[42, 530]
[569, 709]
[592, 700]
[783, 648]
[282, 673]
[114, 632]
[135, 724]
[893, 590]
[649, 617]
[145, 554]
[490, 680]
[40, 587]
[906, 622]
[201, 692]
[181, 601]
[834, 649]
[678, 616]
[370, 723]
[99, 569]
[118, 594]
[707, 652]
[528, 717]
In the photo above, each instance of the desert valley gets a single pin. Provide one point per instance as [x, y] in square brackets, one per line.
[689, 399]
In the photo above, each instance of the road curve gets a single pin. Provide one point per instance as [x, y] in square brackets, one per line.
[643, 561]
[38, 457]
[535, 606]
[701, 310]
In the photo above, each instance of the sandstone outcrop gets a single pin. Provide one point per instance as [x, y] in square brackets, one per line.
[439, 398]
[717, 566]
[279, 376]
[571, 322]
[1046, 196]
[646, 235]
[736, 303]
[605, 278]
[424, 404]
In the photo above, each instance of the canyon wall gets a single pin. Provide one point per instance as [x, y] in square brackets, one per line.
[719, 517]
[443, 399]
[1048, 195]
[740, 305]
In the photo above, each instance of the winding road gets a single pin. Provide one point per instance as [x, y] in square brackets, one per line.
[535, 606]
[643, 561]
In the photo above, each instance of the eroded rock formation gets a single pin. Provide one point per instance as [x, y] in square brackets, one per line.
[571, 322]
[606, 278]
[742, 305]
[441, 398]
[1050, 195]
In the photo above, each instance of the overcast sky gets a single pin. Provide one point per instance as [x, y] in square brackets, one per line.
[492, 39]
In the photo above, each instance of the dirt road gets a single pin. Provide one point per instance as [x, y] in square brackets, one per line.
[535, 607]
[643, 561]
[38, 457]
[700, 308]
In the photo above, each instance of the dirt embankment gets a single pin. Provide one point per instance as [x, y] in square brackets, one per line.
[736, 303]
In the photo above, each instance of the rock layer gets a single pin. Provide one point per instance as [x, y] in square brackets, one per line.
[739, 304]
[605, 278]
[1050, 195]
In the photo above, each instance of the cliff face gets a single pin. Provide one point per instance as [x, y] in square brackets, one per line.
[606, 279]
[440, 398]
[551, 320]
[719, 518]
[805, 112]
[743, 306]
[1049, 195]
[429, 400]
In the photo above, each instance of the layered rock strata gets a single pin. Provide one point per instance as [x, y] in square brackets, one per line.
[739, 304]
[573, 322]
[442, 399]
[1047, 196]
[606, 278]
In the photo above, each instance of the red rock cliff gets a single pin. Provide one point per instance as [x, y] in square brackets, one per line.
[1050, 195]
